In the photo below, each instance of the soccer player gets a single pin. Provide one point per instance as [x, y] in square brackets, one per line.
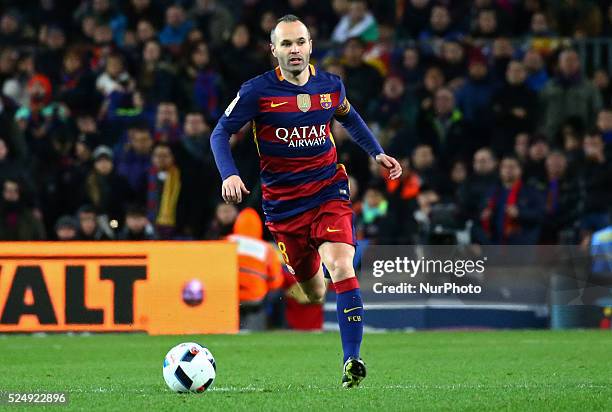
[305, 191]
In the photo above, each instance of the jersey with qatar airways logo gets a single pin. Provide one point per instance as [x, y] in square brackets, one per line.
[291, 125]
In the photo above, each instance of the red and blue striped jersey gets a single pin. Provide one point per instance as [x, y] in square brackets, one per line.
[291, 125]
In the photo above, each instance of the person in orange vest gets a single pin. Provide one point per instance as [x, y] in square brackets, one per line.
[259, 269]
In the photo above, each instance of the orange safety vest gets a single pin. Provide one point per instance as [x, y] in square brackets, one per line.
[259, 268]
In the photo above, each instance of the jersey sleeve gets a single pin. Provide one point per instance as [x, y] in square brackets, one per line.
[241, 110]
[344, 106]
[354, 124]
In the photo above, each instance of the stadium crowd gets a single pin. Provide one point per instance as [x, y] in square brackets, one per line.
[106, 109]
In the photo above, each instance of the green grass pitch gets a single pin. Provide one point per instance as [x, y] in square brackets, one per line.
[506, 370]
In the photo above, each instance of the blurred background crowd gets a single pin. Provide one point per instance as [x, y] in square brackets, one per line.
[500, 111]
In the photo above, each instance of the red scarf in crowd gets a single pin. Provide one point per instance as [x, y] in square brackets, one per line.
[510, 224]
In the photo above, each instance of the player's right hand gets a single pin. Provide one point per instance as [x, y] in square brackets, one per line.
[232, 189]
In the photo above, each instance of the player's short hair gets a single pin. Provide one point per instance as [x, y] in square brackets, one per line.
[287, 18]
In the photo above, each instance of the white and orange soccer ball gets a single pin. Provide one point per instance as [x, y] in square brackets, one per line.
[189, 367]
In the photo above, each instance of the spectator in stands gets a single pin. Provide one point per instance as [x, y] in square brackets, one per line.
[137, 226]
[156, 80]
[474, 99]
[514, 210]
[597, 180]
[395, 110]
[88, 227]
[239, 61]
[104, 45]
[415, 18]
[445, 130]
[8, 62]
[11, 28]
[167, 124]
[143, 10]
[607, 20]
[537, 76]
[486, 27]
[572, 147]
[431, 181]
[568, 94]
[523, 13]
[540, 26]
[515, 108]
[411, 68]
[441, 28]
[562, 193]
[177, 26]
[37, 124]
[433, 79]
[202, 84]
[106, 190]
[77, 87]
[145, 31]
[223, 222]
[84, 146]
[194, 157]
[362, 81]
[133, 160]
[502, 53]
[12, 168]
[358, 22]
[472, 193]
[164, 192]
[66, 228]
[261, 33]
[535, 165]
[114, 77]
[15, 87]
[577, 18]
[601, 80]
[604, 125]
[521, 147]
[17, 220]
[453, 63]
[370, 222]
[215, 19]
[49, 59]
[449, 187]
[383, 51]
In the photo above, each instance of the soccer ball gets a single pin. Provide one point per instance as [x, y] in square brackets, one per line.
[189, 367]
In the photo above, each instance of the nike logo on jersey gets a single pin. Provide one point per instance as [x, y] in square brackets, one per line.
[330, 230]
[351, 309]
[272, 104]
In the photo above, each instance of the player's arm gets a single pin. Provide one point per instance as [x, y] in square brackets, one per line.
[362, 135]
[241, 110]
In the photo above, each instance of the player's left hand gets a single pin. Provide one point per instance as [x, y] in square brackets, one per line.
[395, 170]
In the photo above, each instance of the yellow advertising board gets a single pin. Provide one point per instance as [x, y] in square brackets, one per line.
[155, 287]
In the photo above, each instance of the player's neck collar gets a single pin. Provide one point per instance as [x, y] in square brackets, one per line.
[279, 74]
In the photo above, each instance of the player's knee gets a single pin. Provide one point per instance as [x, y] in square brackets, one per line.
[314, 289]
[316, 296]
[341, 268]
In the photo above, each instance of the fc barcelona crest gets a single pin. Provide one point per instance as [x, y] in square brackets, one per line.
[303, 102]
[326, 101]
